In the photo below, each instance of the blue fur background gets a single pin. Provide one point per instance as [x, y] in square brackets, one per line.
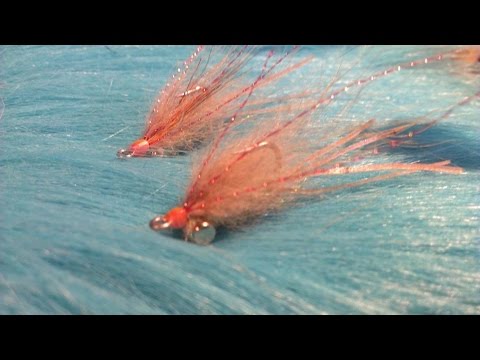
[74, 235]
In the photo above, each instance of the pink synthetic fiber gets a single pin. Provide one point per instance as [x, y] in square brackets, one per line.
[193, 107]
[279, 160]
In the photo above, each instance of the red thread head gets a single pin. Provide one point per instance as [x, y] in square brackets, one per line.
[176, 218]
[138, 148]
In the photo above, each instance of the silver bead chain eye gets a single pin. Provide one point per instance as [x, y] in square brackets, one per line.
[202, 234]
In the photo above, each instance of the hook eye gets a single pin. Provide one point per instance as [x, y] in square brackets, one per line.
[158, 224]
[203, 233]
[123, 153]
